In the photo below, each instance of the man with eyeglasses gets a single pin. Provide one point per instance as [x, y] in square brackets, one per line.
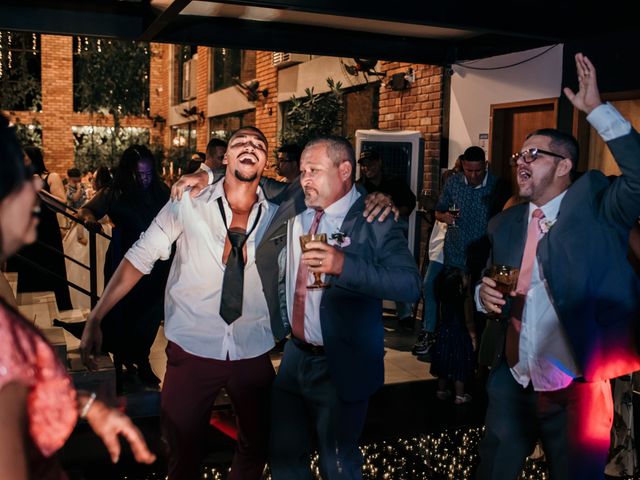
[288, 162]
[569, 326]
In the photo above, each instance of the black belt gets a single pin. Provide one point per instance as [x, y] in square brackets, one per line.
[308, 347]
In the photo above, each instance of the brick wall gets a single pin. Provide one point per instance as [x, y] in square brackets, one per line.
[267, 108]
[57, 115]
[160, 93]
[202, 100]
[417, 108]
[57, 101]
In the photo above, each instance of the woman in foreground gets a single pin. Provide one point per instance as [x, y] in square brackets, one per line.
[39, 406]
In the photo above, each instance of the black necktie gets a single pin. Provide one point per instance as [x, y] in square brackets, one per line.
[233, 279]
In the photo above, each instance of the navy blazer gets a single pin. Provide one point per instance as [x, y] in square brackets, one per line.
[583, 261]
[378, 265]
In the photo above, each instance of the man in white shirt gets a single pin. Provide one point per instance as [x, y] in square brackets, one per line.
[214, 158]
[334, 360]
[217, 337]
[570, 324]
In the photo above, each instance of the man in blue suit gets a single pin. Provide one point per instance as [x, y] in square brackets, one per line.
[571, 323]
[334, 360]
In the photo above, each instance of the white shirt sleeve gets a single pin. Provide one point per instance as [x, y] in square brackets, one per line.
[205, 167]
[609, 123]
[476, 298]
[155, 243]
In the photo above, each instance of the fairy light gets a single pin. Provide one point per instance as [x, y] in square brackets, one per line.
[450, 454]
[9, 52]
[99, 45]
[1, 53]
[34, 44]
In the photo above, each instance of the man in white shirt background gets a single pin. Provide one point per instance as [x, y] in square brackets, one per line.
[217, 324]
[570, 325]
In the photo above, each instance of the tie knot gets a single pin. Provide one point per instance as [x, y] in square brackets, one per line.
[537, 213]
[237, 238]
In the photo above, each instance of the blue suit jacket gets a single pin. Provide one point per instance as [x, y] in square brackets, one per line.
[583, 259]
[378, 264]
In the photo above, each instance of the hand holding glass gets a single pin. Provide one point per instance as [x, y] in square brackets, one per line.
[506, 278]
[454, 210]
[316, 237]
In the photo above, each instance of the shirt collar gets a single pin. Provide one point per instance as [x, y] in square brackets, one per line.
[484, 180]
[550, 209]
[218, 191]
[340, 207]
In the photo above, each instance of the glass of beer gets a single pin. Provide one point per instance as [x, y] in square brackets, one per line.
[506, 278]
[315, 237]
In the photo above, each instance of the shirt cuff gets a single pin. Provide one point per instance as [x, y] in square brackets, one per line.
[476, 298]
[608, 122]
[209, 172]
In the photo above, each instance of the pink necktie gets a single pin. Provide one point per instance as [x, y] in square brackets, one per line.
[300, 296]
[534, 234]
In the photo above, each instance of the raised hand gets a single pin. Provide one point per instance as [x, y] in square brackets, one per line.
[588, 96]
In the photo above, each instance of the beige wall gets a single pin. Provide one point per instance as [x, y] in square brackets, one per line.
[474, 91]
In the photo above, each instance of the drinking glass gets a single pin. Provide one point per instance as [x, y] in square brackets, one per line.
[454, 209]
[506, 278]
[314, 237]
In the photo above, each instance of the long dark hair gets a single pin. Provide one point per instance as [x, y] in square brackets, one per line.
[102, 178]
[126, 178]
[37, 160]
[13, 172]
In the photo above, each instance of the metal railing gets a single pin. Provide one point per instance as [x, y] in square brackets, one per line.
[62, 208]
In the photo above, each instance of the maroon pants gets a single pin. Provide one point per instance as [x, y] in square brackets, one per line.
[190, 387]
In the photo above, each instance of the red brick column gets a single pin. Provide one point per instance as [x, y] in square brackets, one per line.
[57, 101]
[417, 108]
[267, 108]
[159, 91]
[203, 94]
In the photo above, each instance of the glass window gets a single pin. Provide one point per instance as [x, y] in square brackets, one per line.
[184, 135]
[111, 76]
[230, 63]
[223, 125]
[184, 73]
[20, 71]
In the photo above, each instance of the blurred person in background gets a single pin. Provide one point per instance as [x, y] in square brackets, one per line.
[288, 161]
[31, 278]
[133, 199]
[39, 406]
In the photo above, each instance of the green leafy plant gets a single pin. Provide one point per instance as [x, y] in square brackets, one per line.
[97, 146]
[312, 115]
[111, 77]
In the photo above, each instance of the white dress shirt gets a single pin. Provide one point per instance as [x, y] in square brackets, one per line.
[330, 223]
[545, 356]
[194, 287]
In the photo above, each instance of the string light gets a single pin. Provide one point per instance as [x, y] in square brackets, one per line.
[1, 54]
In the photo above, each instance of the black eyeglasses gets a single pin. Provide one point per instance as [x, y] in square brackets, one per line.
[531, 155]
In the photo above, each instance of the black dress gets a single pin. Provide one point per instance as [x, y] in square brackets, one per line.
[453, 358]
[32, 279]
[130, 328]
